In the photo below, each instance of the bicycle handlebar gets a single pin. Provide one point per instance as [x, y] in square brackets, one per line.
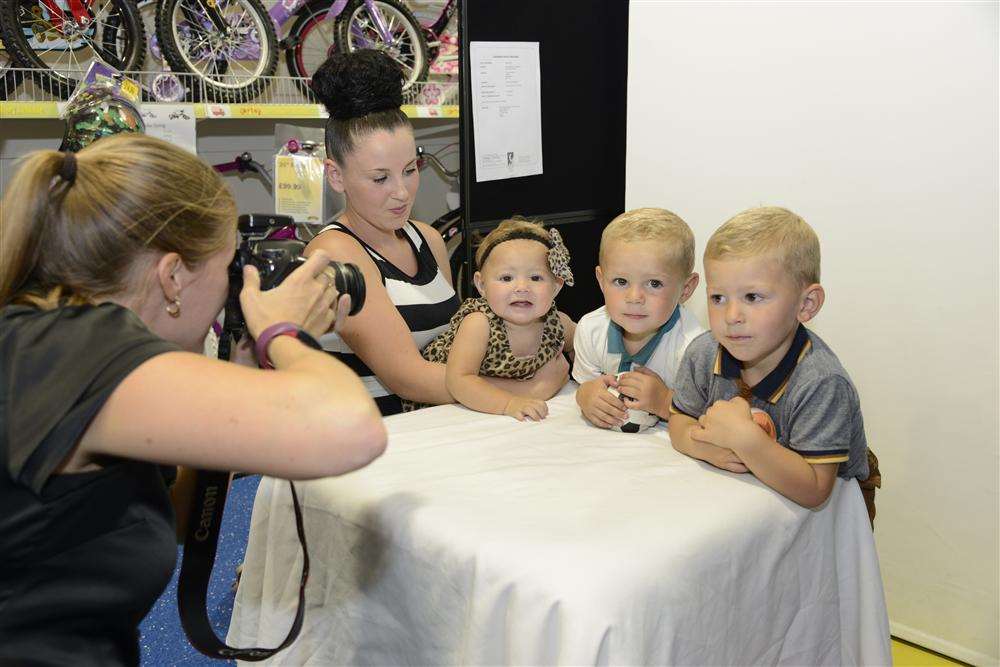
[423, 155]
[243, 163]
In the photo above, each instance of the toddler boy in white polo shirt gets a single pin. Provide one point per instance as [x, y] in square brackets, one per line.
[645, 272]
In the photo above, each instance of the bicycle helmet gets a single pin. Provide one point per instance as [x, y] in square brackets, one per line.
[96, 113]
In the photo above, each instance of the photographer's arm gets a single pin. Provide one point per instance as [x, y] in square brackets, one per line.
[378, 334]
[311, 417]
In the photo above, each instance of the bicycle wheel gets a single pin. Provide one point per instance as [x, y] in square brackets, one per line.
[230, 64]
[47, 36]
[310, 40]
[9, 79]
[358, 28]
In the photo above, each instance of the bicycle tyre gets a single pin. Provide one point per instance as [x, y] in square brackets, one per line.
[310, 21]
[123, 17]
[169, 29]
[353, 34]
[9, 79]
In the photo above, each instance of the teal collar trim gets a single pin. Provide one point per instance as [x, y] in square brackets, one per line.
[616, 343]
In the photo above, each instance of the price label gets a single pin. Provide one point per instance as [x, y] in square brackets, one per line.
[298, 187]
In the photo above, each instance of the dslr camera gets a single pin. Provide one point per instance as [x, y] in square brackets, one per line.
[267, 242]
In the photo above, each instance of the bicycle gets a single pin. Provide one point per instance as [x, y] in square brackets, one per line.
[230, 45]
[59, 42]
[212, 40]
[312, 37]
[314, 34]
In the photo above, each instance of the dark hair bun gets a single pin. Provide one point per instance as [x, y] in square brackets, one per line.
[355, 84]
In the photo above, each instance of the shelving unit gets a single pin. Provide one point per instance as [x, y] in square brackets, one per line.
[280, 97]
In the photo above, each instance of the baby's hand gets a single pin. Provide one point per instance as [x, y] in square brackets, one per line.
[644, 390]
[521, 408]
[599, 406]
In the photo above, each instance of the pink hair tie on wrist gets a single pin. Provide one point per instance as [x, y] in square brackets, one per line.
[281, 329]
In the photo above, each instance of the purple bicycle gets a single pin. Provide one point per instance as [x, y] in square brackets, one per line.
[317, 33]
[231, 45]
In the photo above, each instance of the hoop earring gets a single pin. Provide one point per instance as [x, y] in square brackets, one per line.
[174, 308]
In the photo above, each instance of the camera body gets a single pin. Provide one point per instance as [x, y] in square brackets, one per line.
[266, 242]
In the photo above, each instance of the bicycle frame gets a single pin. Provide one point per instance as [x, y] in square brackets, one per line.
[436, 28]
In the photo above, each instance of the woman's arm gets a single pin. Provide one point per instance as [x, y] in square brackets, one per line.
[378, 334]
[310, 418]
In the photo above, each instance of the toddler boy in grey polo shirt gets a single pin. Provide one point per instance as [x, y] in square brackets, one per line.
[762, 275]
[809, 397]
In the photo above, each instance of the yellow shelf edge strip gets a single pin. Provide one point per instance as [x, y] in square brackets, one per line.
[29, 110]
[12, 110]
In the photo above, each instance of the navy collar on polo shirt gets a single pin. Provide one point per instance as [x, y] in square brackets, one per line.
[616, 343]
[772, 387]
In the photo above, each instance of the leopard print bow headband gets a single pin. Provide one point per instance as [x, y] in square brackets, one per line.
[558, 252]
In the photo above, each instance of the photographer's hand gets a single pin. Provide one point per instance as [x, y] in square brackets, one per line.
[306, 298]
[242, 353]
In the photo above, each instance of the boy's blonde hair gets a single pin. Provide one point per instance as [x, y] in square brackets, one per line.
[658, 225]
[769, 230]
[516, 224]
[129, 195]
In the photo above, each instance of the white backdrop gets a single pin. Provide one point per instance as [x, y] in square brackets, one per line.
[878, 123]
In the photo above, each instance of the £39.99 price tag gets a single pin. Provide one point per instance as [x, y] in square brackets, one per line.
[298, 187]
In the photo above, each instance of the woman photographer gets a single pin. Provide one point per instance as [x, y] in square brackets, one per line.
[372, 160]
[112, 268]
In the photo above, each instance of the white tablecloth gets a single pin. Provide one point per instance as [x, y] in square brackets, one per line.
[477, 539]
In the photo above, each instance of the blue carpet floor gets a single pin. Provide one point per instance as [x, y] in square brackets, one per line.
[163, 640]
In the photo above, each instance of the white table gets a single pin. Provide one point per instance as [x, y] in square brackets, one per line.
[476, 539]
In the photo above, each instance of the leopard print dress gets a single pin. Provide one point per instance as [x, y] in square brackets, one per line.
[499, 360]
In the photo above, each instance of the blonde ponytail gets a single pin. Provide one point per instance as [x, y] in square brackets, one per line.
[73, 236]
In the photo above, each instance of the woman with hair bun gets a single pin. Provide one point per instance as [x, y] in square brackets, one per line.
[372, 160]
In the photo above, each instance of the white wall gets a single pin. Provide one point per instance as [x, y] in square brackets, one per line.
[878, 123]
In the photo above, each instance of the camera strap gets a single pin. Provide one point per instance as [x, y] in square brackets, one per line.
[211, 488]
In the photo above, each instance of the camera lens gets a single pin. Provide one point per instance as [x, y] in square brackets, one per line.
[348, 279]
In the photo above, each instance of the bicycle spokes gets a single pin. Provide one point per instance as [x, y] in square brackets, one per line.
[68, 37]
[229, 45]
[228, 57]
[383, 27]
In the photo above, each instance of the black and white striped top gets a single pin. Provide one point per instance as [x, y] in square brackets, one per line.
[426, 302]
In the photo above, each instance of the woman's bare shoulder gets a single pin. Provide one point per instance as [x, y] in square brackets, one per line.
[339, 246]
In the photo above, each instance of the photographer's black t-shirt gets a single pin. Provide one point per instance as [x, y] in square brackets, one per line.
[83, 556]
